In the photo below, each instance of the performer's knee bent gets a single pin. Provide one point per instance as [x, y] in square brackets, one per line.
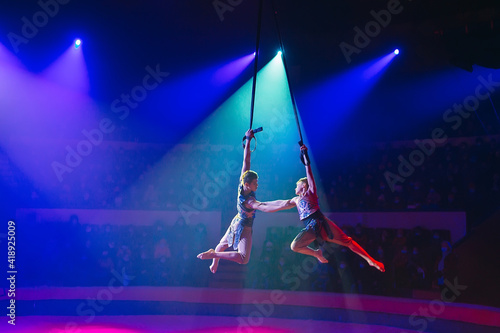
[242, 259]
[347, 242]
[295, 247]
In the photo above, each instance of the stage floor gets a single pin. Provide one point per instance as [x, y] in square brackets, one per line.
[112, 309]
[205, 324]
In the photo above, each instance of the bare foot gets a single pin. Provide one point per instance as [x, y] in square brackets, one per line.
[319, 255]
[206, 255]
[378, 265]
[214, 266]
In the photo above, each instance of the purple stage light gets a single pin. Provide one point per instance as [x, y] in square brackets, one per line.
[378, 66]
[69, 70]
[8, 59]
[43, 119]
[229, 72]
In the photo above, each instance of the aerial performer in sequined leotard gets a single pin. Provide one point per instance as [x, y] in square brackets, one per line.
[317, 225]
[239, 233]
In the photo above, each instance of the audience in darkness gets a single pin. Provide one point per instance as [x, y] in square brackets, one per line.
[458, 176]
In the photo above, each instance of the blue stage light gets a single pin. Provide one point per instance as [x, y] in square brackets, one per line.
[78, 42]
[396, 51]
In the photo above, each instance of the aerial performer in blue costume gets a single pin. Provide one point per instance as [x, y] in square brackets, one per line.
[239, 233]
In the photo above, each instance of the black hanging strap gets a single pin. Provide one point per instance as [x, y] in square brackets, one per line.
[255, 70]
[256, 62]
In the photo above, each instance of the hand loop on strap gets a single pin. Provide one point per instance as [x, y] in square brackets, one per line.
[304, 157]
[255, 147]
[245, 138]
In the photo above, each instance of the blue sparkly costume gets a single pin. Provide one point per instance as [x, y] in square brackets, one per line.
[244, 218]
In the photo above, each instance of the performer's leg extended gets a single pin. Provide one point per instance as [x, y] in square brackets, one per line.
[301, 242]
[339, 237]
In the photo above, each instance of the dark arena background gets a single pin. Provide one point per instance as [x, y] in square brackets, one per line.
[120, 154]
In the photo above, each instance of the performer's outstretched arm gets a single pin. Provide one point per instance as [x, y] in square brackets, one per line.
[271, 206]
[246, 153]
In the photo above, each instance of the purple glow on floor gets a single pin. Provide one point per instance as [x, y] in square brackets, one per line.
[186, 324]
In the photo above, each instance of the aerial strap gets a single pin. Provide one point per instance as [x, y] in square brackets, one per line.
[256, 62]
[255, 71]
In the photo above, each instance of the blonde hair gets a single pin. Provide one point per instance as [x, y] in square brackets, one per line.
[303, 180]
[248, 176]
